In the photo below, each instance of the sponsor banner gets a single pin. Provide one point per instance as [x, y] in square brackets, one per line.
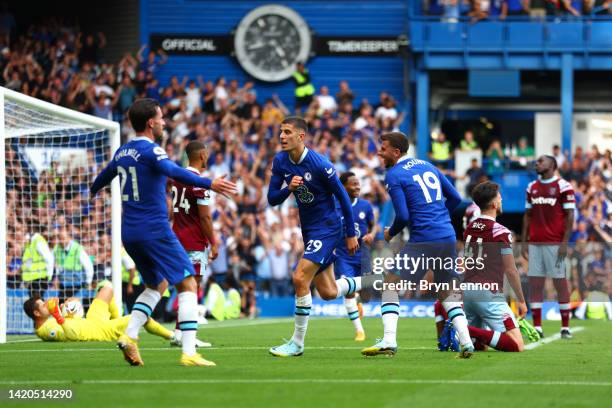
[192, 44]
[284, 307]
[357, 46]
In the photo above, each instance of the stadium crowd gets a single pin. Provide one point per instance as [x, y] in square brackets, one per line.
[476, 10]
[259, 244]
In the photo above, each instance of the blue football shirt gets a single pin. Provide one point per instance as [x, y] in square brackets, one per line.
[363, 215]
[143, 167]
[315, 197]
[422, 199]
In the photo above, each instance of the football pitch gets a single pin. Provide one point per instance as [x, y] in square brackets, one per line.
[332, 372]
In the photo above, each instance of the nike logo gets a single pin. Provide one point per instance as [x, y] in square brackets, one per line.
[287, 175]
[329, 171]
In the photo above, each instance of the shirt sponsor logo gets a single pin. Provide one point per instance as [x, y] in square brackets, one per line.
[304, 195]
[544, 201]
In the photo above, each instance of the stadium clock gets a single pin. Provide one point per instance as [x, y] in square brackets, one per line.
[270, 40]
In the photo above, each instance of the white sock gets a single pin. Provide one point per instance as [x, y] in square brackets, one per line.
[178, 334]
[188, 320]
[302, 312]
[348, 286]
[455, 313]
[390, 315]
[141, 311]
[353, 313]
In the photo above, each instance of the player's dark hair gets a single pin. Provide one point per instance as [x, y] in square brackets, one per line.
[193, 149]
[553, 160]
[397, 140]
[296, 122]
[29, 306]
[344, 178]
[141, 111]
[484, 193]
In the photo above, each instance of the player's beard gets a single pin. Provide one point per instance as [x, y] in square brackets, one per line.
[159, 137]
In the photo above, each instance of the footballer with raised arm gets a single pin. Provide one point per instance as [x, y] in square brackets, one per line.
[143, 167]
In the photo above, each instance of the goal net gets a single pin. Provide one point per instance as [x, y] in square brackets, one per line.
[54, 241]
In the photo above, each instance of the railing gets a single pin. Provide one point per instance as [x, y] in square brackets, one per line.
[520, 35]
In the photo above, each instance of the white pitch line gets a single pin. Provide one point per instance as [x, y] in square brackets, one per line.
[24, 340]
[238, 323]
[550, 339]
[72, 350]
[311, 381]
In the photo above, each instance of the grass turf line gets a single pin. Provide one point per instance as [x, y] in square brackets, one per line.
[331, 373]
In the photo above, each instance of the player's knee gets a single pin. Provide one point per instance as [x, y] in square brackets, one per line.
[299, 280]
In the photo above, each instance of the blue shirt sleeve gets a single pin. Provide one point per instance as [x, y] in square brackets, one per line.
[164, 165]
[276, 194]
[337, 189]
[105, 177]
[453, 199]
[400, 206]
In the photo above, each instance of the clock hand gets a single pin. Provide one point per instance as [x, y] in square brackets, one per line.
[279, 51]
[256, 46]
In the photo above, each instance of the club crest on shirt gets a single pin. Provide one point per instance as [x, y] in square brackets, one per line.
[307, 176]
[553, 190]
[361, 215]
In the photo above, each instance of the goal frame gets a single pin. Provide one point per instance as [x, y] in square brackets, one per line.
[115, 142]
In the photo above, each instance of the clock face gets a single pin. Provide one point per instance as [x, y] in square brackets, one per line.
[270, 40]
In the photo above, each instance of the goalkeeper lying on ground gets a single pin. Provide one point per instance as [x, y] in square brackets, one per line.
[102, 322]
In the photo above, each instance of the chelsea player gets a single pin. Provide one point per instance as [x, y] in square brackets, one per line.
[422, 199]
[142, 166]
[313, 181]
[347, 265]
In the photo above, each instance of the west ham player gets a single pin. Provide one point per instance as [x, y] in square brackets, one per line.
[547, 225]
[471, 212]
[143, 166]
[347, 265]
[192, 222]
[491, 242]
[313, 181]
[422, 199]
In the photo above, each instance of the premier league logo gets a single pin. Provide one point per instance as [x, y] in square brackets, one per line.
[307, 176]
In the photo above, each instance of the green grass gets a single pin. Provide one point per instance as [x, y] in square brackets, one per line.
[331, 372]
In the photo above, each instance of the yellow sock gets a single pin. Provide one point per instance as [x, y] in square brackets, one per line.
[113, 309]
[157, 329]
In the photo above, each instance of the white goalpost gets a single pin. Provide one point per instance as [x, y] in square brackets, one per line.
[51, 156]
